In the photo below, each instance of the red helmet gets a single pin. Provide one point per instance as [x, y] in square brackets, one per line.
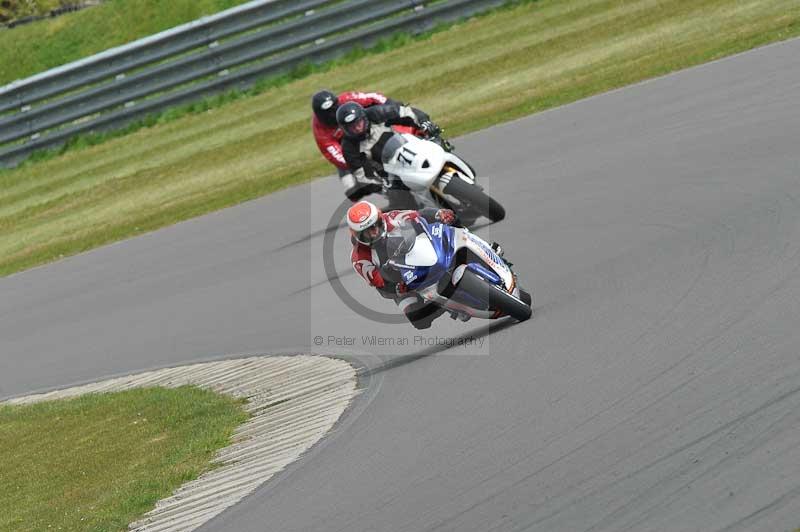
[366, 222]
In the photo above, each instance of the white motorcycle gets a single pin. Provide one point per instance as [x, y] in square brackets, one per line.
[438, 178]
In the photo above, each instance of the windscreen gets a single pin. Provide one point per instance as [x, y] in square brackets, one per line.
[400, 240]
[392, 145]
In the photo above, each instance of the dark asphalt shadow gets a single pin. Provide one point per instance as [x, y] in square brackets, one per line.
[320, 232]
[475, 228]
[403, 360]
[344, 273]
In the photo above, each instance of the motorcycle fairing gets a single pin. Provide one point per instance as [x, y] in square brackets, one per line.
[446, 242]
[419, 164]
[437, 251]
[416, 161]
[491, 260]
[422, 253]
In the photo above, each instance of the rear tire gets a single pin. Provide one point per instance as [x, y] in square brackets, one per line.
[498, 299]
[400, 200]
[476, 198]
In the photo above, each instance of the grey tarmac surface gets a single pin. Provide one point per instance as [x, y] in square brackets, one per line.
[657, 387]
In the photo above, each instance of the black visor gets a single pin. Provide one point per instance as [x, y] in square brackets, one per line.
[372, 234]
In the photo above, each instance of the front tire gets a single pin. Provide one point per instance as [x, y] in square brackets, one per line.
[498, 298]
[526, 297]
[476, 198]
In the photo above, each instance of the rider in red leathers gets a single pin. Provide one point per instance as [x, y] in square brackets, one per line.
[369, 227]
[328, 136]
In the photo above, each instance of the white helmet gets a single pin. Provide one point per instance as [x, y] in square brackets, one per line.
[366, 223]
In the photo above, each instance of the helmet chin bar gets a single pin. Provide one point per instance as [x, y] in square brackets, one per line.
[372, 234]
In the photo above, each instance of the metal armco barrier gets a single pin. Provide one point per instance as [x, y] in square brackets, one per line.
[232, 49]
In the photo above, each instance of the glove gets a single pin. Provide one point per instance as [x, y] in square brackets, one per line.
[430, 129]
[446, 216]
[370, 168]
[376, 280]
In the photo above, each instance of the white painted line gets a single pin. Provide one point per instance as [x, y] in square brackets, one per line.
[294, 401]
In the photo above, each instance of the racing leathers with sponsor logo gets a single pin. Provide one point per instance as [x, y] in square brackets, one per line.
[369, 227]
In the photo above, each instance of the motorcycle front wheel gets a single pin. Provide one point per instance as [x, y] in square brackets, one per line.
[497, 298]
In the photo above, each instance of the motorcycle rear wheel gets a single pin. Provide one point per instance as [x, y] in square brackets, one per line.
[476, 198]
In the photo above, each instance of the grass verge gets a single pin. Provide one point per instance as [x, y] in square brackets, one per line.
[53, 42]
[505, 65]
[100, 461]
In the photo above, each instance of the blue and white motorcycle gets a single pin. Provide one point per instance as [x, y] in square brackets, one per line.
[456, 270]
[437, 177]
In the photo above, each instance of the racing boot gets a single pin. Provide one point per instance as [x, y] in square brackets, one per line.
[459, 316]
[421, 315]
[357, 187]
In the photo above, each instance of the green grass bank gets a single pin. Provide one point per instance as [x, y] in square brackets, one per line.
[53, 42]
[495, 68]
[100, 461]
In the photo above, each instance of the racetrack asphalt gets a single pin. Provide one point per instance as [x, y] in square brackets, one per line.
[656, 388]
